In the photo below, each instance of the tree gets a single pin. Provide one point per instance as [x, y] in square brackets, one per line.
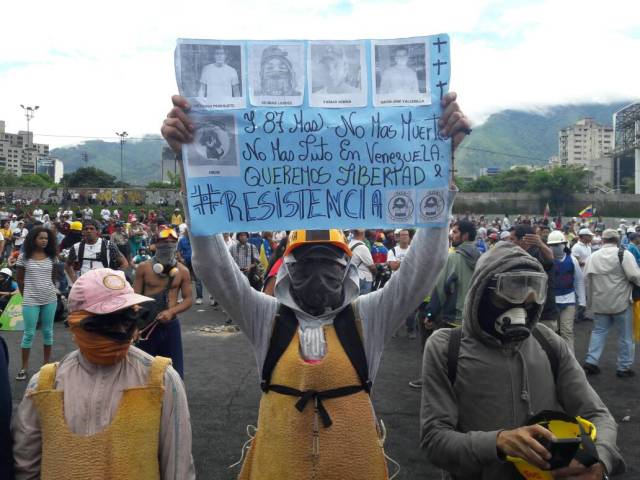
[90, 177]
[173, 183]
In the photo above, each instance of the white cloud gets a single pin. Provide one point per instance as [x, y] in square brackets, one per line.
[94, 70]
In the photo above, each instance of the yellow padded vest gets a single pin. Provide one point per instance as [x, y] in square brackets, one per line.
[283, 445]
[126, 448]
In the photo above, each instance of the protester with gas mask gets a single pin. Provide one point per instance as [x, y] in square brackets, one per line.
[483, 381]
[318, 343]
[107, 410]
[164, 278]
[568, 286]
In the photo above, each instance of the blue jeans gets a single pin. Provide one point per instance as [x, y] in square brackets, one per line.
[166, 340]
[602, 322]
[365, 286]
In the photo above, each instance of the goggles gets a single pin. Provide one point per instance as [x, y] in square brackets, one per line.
[167, 233]
[521, 287]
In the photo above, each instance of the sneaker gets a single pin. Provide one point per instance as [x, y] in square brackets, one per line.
[22, 375]
[212, 302]
[412, 335]
[591, 369]
[417, 384]
[198, 301]
[625, 373]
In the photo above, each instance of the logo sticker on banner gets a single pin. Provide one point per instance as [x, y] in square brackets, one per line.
[315, 134]
[11, 318]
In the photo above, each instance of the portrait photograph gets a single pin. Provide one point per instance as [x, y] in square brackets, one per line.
[214, 150]
[337, 74]
[401, 73]
[211, 74]
[276, 74]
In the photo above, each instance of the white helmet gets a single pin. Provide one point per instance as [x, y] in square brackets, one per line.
[7, 272]
[555, 238]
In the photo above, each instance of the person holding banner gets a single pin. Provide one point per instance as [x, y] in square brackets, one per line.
[317, 342]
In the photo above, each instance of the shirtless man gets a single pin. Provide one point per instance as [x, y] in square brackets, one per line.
[162, 278]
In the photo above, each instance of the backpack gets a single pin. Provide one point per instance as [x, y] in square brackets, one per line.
[454, 350]
[635, 293]
[103, 256]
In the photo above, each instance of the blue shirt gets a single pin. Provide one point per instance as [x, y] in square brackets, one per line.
[633, 248]
[184, 248]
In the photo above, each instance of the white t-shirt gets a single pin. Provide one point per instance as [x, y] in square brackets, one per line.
[105, 214]
[37, 214]
[581, 252]
[218, 82]
[361, 258]
[20, 240]
[90, 256]
[399, 79]
[87, 214]
[397, 253]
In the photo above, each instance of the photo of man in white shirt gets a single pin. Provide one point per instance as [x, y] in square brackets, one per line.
[219, 82]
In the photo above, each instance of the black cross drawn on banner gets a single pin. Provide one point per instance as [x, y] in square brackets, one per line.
[441, 86]
[439, 64]
[439, 43]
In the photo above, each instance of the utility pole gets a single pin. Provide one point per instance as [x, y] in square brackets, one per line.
[122, 136]
[85, 158]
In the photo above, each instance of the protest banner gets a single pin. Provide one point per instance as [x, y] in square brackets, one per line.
[11, 318]
[315, 134]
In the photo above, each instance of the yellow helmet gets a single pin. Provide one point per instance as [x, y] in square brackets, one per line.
[76, 226]
[562, 426]
[335, 237]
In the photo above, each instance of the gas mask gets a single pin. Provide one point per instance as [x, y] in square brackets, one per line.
[558, 251]
[165, 259]
[510, 304]
[317, 274]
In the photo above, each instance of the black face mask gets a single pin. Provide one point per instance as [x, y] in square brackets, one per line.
[317, 280]
[119, 326]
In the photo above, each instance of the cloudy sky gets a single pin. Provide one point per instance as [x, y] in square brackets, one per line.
[99, 67]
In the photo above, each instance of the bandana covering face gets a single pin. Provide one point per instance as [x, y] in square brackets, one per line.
[96, 348]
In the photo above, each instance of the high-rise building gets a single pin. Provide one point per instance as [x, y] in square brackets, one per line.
[18, 153]
[589, 144]
[169, 164]
[626, 123]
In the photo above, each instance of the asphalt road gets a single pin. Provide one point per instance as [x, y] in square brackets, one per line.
[222, 387]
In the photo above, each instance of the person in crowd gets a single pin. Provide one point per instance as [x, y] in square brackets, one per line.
[6, 454]
[176, 218]
[315, 309]
[19, 235]
[92, 252]
[610, 274]
[36, 275]
[524, 237]
[108, 409]
[471, 421]
[274, 267]
[634, 246]
[568, 286]
[120, 239]
[247, 258]
[184, 255]
[394, 260]
[8, 287]
[136, 235]
[73, 236]
[163, 278]
[446, 302]
[362, 259]
[582, 249]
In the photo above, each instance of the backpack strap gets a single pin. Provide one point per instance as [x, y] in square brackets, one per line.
[284, 329]
[351, 341]
[156, 372]
[552, 354]
[47, 377]
[104, 256]
[455, 339]
[81, 253]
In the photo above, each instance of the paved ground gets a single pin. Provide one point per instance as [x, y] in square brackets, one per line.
[222, 387]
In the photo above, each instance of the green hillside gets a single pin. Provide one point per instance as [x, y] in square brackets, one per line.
[142, 158]
[519, 137]
[514, 137]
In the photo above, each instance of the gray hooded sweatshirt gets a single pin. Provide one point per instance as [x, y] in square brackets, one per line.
[499, 387]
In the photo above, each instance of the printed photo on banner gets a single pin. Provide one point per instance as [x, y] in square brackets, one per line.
[401, 73]
[276, 74]
[210, 74]
[214, 150]
[337, 74]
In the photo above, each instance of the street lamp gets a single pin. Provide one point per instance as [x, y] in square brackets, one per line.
[122, 136]
[29, 113]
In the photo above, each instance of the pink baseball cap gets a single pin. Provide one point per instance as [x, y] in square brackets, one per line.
[103, 291]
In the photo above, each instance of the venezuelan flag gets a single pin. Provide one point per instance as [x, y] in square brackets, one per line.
[586, 212]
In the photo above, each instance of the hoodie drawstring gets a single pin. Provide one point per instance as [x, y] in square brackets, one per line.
[524, 394]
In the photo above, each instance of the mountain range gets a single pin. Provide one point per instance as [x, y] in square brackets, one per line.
[506, 138]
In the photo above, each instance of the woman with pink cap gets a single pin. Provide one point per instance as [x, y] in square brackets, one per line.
[107, 398]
